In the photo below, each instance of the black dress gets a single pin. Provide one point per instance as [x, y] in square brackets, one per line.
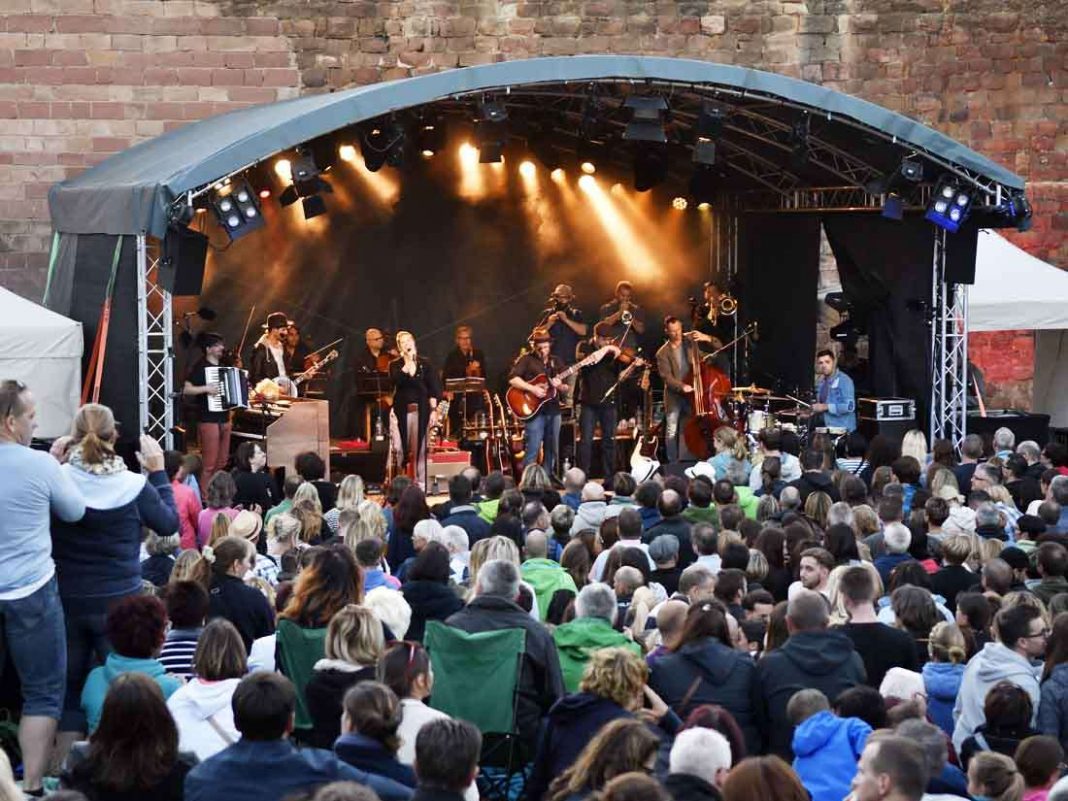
[413, 389]
[255, 488]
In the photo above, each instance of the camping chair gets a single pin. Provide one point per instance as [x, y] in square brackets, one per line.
[476, 678]
[298, 650]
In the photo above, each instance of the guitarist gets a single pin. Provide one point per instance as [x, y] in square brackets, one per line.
[415, 399]
[544, 427]
[594, 383]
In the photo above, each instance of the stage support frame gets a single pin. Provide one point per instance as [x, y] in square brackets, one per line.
[949, 351]
[155, 346]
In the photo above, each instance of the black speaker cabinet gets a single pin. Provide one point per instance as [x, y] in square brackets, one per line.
[181, 270]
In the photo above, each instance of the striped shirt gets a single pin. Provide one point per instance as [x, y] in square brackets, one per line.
[178, 651]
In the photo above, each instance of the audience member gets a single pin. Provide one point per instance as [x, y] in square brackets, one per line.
[880, 647]
[187, 610]
[763, 777]
[891, 768]
[230, 597]
[699, 763]
[369, 739]
[943, 673]
[995, 776]
[826, 747]
[591, 630]
[621, 746]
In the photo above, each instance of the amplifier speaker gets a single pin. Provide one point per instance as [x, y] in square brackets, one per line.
[893, 429]
[181, 270]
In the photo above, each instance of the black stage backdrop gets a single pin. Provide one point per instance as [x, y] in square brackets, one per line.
[885, 269]
[779, 259]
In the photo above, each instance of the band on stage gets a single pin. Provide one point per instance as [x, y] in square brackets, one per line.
[593, 375]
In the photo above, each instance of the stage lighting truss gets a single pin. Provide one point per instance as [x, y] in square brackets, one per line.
[950, 204]
[237, 208]
[647, 119]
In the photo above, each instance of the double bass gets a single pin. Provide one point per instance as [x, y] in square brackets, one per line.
[710, 386]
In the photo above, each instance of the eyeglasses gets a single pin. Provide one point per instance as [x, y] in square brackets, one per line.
[1044, 633]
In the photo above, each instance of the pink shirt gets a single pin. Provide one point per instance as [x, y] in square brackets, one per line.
[189, 508]
[1037, 794]
[206, 518]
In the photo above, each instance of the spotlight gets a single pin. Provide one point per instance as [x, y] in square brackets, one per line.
[650, 167]
[911, 170]
[430, 137]
[346, 153]
[588, 167]
[587, 182]
[383, 143]
[489, 139]
[845, 332]
[313, 206]
[838, 302]
[705, 206]
[893, 207]
[237, 209]
[492, 111]
[527, 169]
[284, 170]
[491, 153]
[558, 175]
[679, 203]
[647, 119]
[950, 204]
[289, 196]
[1017, 208]
[265, 193]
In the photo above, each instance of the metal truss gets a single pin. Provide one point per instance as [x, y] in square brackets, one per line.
[826, 198]
[155, 346]
[949, 351]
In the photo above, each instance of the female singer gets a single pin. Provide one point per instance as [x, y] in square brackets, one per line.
[416, 391]
[213, 428]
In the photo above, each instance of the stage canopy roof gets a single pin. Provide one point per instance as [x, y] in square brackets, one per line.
[1014, 290]
[778, 135]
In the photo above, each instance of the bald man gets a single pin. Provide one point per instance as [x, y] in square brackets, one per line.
[565, 324]
[670, 618]
[372, 359]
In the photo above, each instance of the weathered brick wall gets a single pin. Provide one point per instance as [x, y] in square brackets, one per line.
[80, 79]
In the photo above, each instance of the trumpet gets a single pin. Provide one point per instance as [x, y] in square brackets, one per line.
[626, 317]
[728, 305]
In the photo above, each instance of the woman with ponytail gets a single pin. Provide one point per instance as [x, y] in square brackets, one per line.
[943, 673]
[994, 777]
[98, 558]
[729, 448]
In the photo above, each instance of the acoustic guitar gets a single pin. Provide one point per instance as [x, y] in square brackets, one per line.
[525, 405]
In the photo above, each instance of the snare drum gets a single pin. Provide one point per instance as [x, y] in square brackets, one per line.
[759, 419]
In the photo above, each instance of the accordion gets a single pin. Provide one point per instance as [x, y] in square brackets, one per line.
[233, 384]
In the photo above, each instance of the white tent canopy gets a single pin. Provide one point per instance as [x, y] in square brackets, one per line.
[43, 350]
[1015, 290]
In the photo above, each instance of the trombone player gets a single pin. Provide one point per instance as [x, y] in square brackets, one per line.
[715, 318]
[623, 311]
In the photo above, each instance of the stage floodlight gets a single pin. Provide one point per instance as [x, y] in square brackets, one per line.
[430, 136]
[650, 167]
[313, 206]
[237, 208]
[845, 332]
[381, 143]
[490, 138]
[950, 204]
[838, 302]
[289, 196]
[347, 153]
[492, 111]
[679, 203]
[710, 121]
[647, 119]
[911, 170]
[893, 207]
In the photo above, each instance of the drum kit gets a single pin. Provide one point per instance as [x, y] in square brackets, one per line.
[753, 409]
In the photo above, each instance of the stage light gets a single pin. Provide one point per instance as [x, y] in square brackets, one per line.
[588, 167]
[430, 136]
[383, 143]
[489, 139]
[679, 203]
[647, 119]
[346, 153]
[468, 154]
[265, 193]
[911, 170]
[838, 302]
[708, 129]
[617, 189]
[284, 170]
[491, 153]
[950, 204]
[527, 169]
[705, 206]
[428, 154]
[237, 209]
[650, 167]
[893, 207]
[558, 175]
[587, 182]
[313, 206]
[703, 184]
[492, 111]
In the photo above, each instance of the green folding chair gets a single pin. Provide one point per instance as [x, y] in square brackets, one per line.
[298, 651]
[476, 678]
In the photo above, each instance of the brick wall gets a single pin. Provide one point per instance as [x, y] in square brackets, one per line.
[81, 79]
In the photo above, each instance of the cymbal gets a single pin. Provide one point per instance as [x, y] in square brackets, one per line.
[752, 389]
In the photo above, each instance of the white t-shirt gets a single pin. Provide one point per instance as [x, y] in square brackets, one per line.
[415, 715]
[278, 353]
[602, 558]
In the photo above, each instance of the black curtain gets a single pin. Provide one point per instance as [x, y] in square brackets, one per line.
[885, 269]
[118, 387]
[779, 259]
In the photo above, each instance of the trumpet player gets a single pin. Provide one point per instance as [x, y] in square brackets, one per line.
[714, 316]
[622, 310]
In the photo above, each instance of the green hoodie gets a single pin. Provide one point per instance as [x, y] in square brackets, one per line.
[748, 501]
[576, 641]
[546, 577]
[695, 514]
[487, 510]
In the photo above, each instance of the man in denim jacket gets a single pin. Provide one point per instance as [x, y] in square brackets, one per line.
[835, 396]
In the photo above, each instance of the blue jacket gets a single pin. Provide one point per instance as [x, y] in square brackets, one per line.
[1053, 706]
[886, 563]
[826, 749]
[368, 754]
[942, 682]
[841, 401]
[723, 676]
[98, 559]
[270, 770]
[100, 678]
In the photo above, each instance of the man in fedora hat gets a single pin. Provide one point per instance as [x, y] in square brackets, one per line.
[269, 352]
[543, 429]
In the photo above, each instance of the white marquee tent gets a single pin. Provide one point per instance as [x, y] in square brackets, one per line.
[1014, 290]
[43, 350]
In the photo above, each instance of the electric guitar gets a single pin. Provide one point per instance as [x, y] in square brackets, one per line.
[313, 371]
[525, 405]
[648, 443]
